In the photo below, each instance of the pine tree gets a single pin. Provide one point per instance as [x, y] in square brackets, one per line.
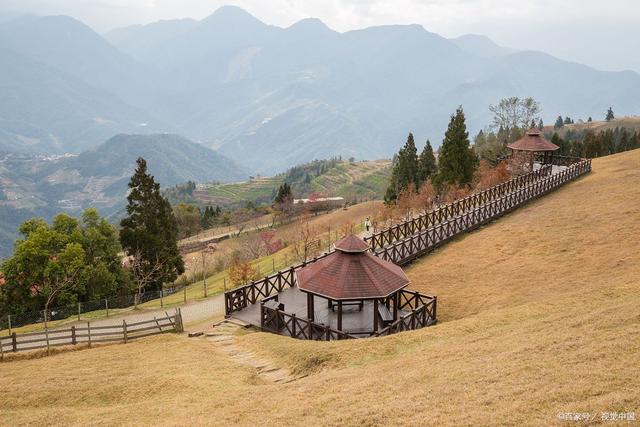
[559, 123]
[408, 164]
[567, 120]
[609, 115]
[589, 120]
[284, 194]
[149, 231]
[457, 161]
[533, 124]
[540, 124]
[405, 170]
[427, 166]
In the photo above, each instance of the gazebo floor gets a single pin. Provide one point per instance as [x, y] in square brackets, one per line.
[354, 321]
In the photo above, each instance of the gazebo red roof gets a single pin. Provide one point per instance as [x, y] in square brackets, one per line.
[351, 243]
[351, 273]
[533, 141]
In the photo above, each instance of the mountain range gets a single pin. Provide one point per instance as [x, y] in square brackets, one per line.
[270, 97]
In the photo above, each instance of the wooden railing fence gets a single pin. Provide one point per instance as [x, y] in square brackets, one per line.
[412, 247]
[283, 323]
[428, 219]
[251, 293]
[422, 312]
[87, 334]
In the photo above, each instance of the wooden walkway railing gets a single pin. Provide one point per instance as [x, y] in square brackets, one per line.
[87, 334]
[413, 226]
[412, 247]
[251, 293]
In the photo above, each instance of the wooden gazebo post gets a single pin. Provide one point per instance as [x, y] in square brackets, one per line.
[339, 315]
[310, 308]
[375, 315]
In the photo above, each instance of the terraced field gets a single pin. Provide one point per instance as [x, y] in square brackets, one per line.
[357, 180]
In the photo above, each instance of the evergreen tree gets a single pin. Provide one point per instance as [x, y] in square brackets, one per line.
[567, 120]
[589, 120]
[427, 166]
[149, 231]
[559, 123]
[540, 124]
[284, 194]
[405, 170]
[609, 115]
[457, 161]
[533, 124]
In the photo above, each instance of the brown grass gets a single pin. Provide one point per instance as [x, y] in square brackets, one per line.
[538, 315]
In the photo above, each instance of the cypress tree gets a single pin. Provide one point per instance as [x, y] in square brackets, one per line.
[407, 164]
[609, 115]
[405, 170]
[559, 123]
[457, 161]
[427, 166]
[540, 124]
[149, 231]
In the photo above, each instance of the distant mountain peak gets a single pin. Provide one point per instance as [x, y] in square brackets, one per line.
[231, 14]
[312, 23]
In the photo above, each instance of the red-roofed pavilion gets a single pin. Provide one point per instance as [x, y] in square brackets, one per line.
[533, 142]
[350, 276]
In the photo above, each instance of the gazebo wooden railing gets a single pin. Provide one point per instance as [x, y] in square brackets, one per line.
[410, 248]
[422, 314]
[557, 160]
[240, 297]
[283, 323]
[413, 226]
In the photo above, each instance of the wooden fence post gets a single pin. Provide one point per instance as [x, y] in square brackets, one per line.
[73, 335]
[1, 351]
[106, 306]
[14, 342]
[89, 333]
[9, 320]
[124, 330]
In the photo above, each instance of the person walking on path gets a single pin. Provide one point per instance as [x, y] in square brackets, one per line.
[367, 224]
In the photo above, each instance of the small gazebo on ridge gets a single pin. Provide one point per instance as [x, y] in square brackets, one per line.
[533, 143]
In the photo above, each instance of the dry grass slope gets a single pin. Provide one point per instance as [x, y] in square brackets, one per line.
[538, 316]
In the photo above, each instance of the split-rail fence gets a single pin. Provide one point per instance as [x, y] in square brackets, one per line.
[90, 335]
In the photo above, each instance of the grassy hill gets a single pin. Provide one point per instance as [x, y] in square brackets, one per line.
[538, 316]
[352, 180]
[629, 123]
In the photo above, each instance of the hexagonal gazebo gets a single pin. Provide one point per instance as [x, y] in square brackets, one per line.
[352, 277]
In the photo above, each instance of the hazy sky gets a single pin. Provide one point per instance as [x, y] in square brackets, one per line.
[604, 34]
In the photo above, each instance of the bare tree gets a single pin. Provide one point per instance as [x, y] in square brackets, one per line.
[514, 112]
[144, 274]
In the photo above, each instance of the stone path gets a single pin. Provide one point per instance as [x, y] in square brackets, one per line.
[223, 334]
